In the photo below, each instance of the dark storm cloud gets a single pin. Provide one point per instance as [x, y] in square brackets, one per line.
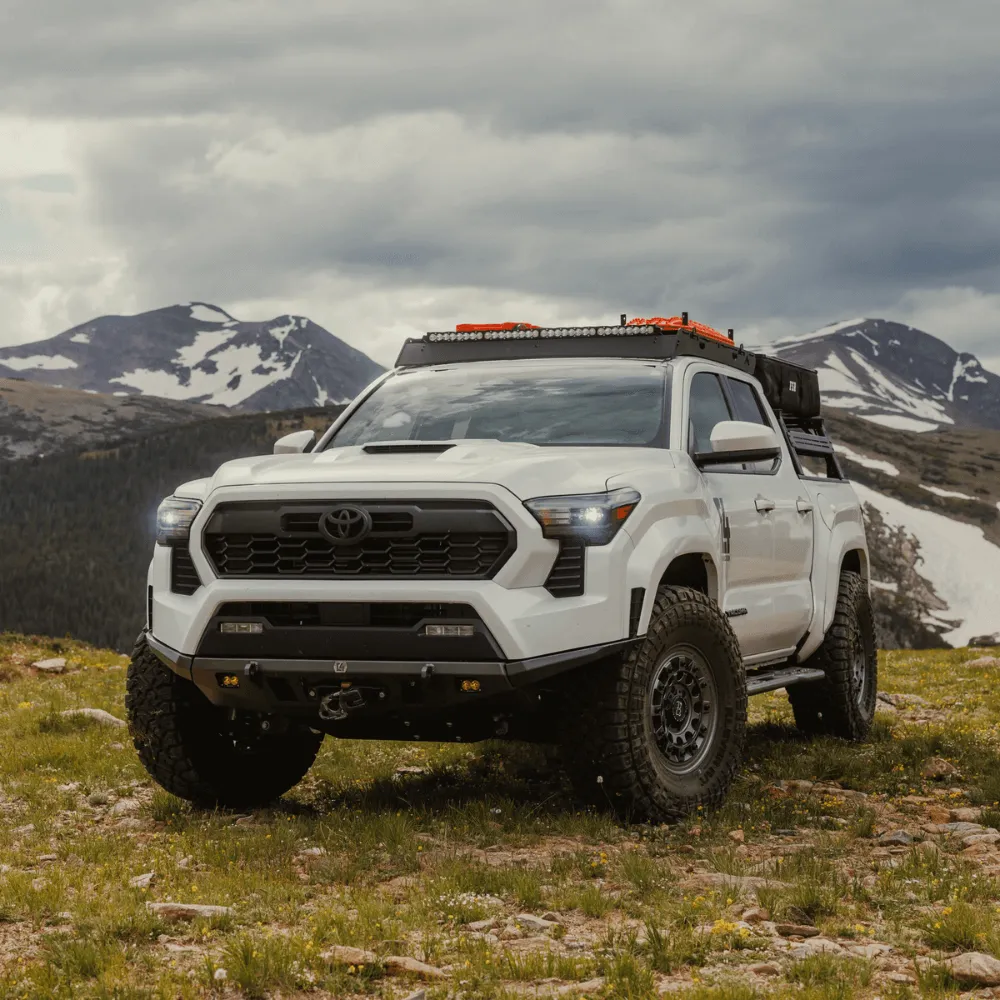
[779, 159]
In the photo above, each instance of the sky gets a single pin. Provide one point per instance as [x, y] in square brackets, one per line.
[387, 167]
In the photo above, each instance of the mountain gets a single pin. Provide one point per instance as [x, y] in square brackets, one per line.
[200, 354]
[896, 376]
[38, 419]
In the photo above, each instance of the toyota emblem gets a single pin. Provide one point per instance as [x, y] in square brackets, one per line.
[345, 525]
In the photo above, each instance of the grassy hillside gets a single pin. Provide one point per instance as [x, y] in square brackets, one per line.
[76, 530]
[827, 876]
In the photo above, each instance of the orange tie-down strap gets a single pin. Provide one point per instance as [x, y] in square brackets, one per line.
[677, 323]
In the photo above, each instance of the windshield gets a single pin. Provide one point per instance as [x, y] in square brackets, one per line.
[614, 403]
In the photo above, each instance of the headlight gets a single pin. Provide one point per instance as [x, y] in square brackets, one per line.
[590, 518]
[173, 519]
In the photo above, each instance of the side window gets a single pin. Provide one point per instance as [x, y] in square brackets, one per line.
[707, 406]
[746, 402]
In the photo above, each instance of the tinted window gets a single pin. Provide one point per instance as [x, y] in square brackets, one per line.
[708, 407]
[611, 404]
[746, 402]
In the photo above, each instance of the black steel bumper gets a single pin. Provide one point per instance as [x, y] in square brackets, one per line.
[297, 686]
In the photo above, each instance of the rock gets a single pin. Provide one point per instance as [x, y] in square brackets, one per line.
[873, 950]
[980, 838]
[901, 977]
[554, 917]
[534, 923]
[816, 946]
[955, 829]
[755, 915]
[937, 769]
[588, 987]
[899, 837]
[482, 926]
[412, 770]
[125, 806]
[142, 881]
[967, 814]
[23, 831]
[766, 969]
[928, 849]
[312, 852]
[56, 665]
[48, 857]
[797, 930]
[343, 954]
[97, 714]
[981, 661]
[974, 969]
[187, 911]
[737, 835]
[403, 965]
[984, 641]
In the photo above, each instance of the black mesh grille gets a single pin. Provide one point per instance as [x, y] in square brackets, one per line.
[437, 539]
[567, 574]
[635, 610]
[311, 614]
[183, 575]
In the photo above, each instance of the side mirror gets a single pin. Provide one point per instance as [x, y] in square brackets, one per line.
[739, 441]
[294, 444]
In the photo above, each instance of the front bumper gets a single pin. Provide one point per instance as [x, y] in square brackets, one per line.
[406, 688]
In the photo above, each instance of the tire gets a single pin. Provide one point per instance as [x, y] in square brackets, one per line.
[189, 746]
[844, 703]
[660, 732]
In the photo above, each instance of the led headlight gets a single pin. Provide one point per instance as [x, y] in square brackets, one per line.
[590, 518]
[173, 519]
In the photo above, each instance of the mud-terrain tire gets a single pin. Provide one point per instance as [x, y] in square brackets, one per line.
[186, 745]
[844, 703]
[659, 732]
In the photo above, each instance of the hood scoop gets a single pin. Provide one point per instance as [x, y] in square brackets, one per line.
[407, 448]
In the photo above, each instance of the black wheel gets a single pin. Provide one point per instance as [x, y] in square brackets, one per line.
[659, 732]
[195, 751]
[844, 703]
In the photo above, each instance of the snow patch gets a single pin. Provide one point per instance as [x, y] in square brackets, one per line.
[80, 338]
[962, 566]
[898, 423]
[208, 314]
[240, 372]
[938, 492]
[52, 362]
[822, 332]
[322, 396]
[869, 463]
[204, 343]
[281, 332]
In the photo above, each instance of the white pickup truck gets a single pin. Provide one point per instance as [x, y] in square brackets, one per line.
[604, 538]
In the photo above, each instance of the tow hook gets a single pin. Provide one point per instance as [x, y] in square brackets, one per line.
[337, 704]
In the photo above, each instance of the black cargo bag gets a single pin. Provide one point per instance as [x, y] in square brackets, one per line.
[790, 388]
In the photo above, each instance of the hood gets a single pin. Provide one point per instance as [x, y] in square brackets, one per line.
[526, 470]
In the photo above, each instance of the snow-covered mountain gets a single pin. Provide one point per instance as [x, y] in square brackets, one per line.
[199, 353]
[896, 375]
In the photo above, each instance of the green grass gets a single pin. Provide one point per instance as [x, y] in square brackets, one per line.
[360, 855]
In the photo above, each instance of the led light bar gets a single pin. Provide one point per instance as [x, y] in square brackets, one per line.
[450, 631]
[241, 628]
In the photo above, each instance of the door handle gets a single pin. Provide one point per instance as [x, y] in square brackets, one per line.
[763, 505]
[803, 506]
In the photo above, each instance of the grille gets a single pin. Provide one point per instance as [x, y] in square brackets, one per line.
[566, 576]
[183, 575]
[429, 539]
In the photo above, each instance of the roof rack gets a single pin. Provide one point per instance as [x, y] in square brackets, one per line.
[520, 341]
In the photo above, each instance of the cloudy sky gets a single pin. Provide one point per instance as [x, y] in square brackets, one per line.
[388, 167]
